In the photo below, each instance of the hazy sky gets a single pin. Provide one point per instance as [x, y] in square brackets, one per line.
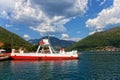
[65, 19]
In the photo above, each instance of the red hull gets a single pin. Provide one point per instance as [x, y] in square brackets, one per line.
[41, 58]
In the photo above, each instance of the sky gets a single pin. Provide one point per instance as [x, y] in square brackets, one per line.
[64, 19]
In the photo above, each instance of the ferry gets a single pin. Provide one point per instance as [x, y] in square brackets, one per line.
[44, 52]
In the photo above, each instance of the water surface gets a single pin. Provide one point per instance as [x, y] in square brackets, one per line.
[89, 66]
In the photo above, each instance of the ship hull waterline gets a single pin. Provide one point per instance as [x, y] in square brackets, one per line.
[44, 57]
[41, 58]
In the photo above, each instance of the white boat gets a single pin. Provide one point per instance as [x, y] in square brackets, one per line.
[4, 55]
[44, 52]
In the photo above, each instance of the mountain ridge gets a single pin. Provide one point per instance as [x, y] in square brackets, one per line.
[9, 40]
[55, 42]
[108, 40]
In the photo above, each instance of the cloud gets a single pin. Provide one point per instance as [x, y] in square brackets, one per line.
[105, 17]
[8, 26]
[4, 14]
[66, 37]
[26, 36]
[66, 8]
[7, 4]
[102, 2]
[75, 39]
[47, 29]
[45, 16]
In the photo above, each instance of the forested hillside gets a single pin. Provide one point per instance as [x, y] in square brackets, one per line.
[106, 40]
[9, 40]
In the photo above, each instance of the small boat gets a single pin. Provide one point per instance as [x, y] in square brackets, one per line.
[4, 55]
[4, 58]
[44, 52]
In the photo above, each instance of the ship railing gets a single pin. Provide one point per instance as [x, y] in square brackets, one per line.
[72, 52]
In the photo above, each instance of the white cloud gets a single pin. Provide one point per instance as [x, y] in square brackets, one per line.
[6, 6]
[75, 39]
[4, 14]
[45, 16]
[66, 8]
[92, 32]
[66, 37]
[105, 17]
[102, 2]
[26, 36]
[8, 26]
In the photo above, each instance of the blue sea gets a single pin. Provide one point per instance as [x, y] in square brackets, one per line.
[89, 66]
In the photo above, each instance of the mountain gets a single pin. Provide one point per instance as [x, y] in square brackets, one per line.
[55, 42]
[108, 40]
[10, 40]
[34, 41]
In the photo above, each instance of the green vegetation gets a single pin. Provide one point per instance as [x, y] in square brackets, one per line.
[105, 40]
[99, 41]
[9, 40]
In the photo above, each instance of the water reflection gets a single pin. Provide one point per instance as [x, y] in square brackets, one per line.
[43, 70]
[88, 67]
